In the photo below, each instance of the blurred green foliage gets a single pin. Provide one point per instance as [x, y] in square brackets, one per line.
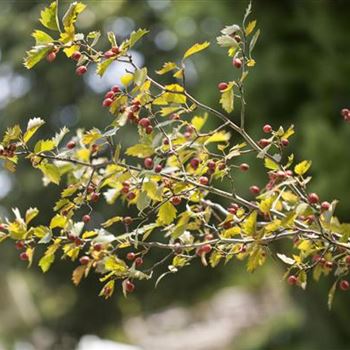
[301, 77]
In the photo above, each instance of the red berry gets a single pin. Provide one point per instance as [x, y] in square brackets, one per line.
[71, 144]
[128, 220]
[107, 102]
[125, 190]
[264, 143]
[244, 167]
[267, 128]
[284, 142]
[325, 205]
[313, 198]
[344, 112]
[129, 286]
[228, 224]
[194, 163]
[344, 285]
[232, 210]
[84, 260]
[131, 196]
[149, 129]
[148, 163]
[130, 256]
[222, 86]
[115, 89]
[292, 280]
[174, 116]
[81, 70]
[347, 259]
[203, 180]
[86, 218]
[158, 168]
[24, 256]
[190, 128]
[254, 189]
[108, 54]
[109, 94]
[144, 122]
[165, 141]
[98, 247]
[78, 241]
[20, 245]
[237, 62]
[131, 116]
[176, 200]
[95, 197]
[51, 56]
[138, 261]
[115, 50]
[328, 264]
[76, 55]
[221, 166]
[208, 237]
[204, 249]
[211, 165]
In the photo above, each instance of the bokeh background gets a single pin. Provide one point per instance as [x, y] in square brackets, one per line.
[301, 77]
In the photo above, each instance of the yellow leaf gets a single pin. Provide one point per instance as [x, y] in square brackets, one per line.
[31, 213]
[140, 150]
[302, 167]
[44, 146]
[112, 221]
[127, 79]
[48, 16]
[196, 48]
[198, 122]
[166, 214]
[51, 172]
[220, 136]
[153, 191]
[270, 164]
[58, 221]
[231, 232]
[250, 27]
[78, 274]
[112, 263]
[33, 125]
[46, 261]
[167, 67]
[251, 63]
[227, 98]
[266, 204]
[249, 224]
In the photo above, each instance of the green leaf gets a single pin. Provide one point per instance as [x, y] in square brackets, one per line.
[227, 98]
[196, 48]
[35, 55]
[102, 66]
[140, 150]
[48, 17]
[70, 17]
[41, 37]
[51, 171]
[136, 36]
[302, 167]
[167, 67]
[166, 214]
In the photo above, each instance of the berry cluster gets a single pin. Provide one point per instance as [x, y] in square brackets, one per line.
[8, 151]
